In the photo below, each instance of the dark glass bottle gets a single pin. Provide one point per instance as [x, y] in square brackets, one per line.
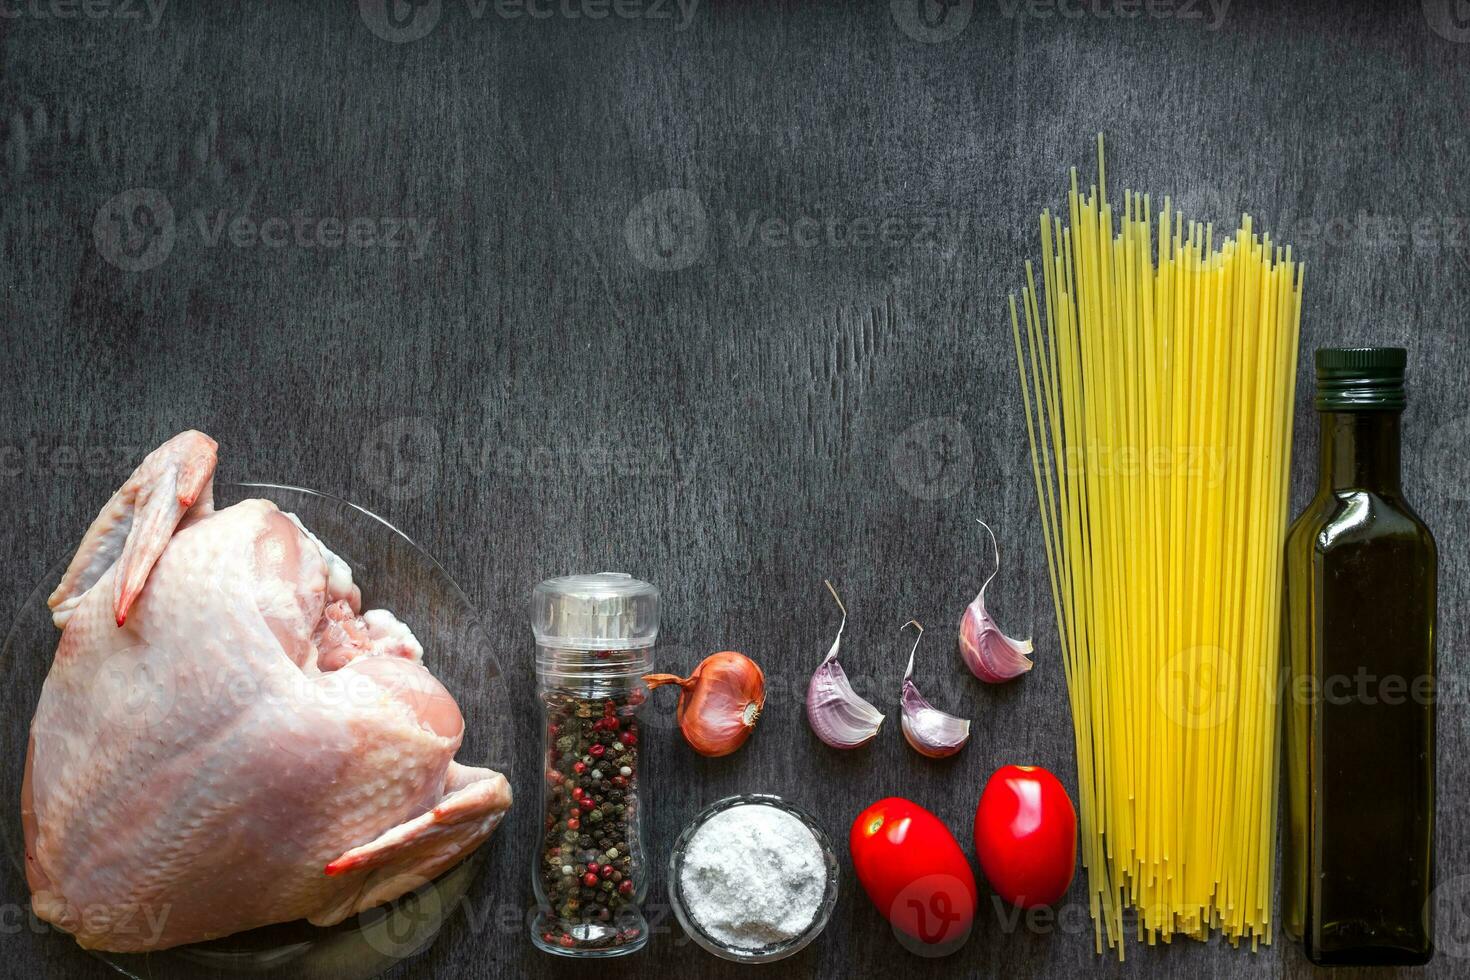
[1359, 640]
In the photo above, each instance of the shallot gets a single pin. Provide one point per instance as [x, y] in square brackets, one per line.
[719, 703]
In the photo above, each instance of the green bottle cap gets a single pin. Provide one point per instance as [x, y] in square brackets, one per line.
[1360, 379]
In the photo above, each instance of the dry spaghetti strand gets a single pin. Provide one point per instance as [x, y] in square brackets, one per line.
[1157, 362]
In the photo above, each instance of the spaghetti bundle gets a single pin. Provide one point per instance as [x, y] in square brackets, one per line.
[1158, 371]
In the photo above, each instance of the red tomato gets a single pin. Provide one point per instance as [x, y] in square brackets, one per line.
[914, 871]
[1026, 836]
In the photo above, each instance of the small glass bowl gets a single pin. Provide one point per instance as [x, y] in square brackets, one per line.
[776, 951]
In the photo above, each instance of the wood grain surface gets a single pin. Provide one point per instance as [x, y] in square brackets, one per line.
[714, 297]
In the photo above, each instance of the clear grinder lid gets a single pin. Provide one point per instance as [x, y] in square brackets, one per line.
[605, 611]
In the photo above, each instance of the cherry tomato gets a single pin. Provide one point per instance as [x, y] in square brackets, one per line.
[1026, 836]
[914, 871]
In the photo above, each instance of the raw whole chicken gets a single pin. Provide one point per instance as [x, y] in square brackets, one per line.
[225, 740]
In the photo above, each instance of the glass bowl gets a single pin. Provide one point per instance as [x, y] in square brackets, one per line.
[393, 572]
[765, 954]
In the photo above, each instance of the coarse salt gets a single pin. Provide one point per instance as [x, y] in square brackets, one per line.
[753, 876]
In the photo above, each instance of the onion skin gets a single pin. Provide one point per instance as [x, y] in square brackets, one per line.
[719, 703]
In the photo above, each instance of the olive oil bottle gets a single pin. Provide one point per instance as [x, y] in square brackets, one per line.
[1359, 692]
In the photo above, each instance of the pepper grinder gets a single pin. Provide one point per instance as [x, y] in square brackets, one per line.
[594, 642]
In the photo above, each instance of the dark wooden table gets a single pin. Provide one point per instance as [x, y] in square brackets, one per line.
[714, 297]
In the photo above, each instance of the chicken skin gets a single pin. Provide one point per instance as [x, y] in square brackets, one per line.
[225, 739]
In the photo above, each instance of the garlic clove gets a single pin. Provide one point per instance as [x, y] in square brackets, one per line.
[991, 655]
[839, 716]
[928, 730]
